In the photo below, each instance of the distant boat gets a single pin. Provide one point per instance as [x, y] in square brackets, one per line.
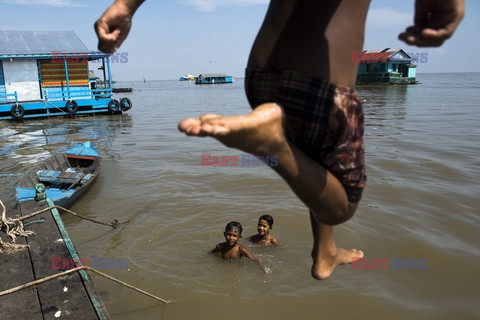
[213, 78]
[122, 89]
[187, 77]
[66, 176]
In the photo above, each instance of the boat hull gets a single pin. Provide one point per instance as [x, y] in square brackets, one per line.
[65, 176]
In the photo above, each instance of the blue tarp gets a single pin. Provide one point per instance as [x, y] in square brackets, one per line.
[83, 149]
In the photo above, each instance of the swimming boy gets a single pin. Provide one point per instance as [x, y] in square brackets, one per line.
[299, 81]
[264, 237]
[230, 249]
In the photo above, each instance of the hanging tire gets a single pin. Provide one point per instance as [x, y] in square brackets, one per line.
[125, 104]
[17, 111]
[71, 106]
[114, 106]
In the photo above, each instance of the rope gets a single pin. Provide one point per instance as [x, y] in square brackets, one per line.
[55, 106]
[14, 228]
[29, 284]
[114, 224]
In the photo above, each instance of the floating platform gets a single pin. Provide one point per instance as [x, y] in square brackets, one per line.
[72, 296]
[47, 74]
[214, 78]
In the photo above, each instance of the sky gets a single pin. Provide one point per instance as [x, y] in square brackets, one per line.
[170, 38]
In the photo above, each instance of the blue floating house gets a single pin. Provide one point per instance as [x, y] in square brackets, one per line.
[213, 78]
[46, 73]
[387, 66]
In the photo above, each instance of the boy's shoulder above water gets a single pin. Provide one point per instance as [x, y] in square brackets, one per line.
[266, 241]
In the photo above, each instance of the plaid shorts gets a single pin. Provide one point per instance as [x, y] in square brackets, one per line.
[323, 120]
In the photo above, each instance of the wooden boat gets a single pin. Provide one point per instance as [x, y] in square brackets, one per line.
[122, 89]
[64, 176]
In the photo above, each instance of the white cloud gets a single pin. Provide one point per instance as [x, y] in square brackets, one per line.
[211, 5]
[50, 3]
[388, 18]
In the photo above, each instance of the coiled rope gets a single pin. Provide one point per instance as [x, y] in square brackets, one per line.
[15, 228]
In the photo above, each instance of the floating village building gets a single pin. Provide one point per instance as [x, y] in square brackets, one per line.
[46, 73]
[213, 78]
[387, 66]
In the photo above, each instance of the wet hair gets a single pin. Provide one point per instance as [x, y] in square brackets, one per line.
[267, 218]
[234, 225]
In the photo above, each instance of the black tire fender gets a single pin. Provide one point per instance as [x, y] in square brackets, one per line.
[125, 104]
[17, 111]
[114, 105]
[71, 106]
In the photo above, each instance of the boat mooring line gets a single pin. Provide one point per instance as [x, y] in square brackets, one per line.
[17, 229]
[32, 283]
[114, 224]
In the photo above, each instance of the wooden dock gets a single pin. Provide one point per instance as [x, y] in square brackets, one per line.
[72, 296]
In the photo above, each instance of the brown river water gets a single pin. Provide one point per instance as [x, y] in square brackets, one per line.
[421, 203]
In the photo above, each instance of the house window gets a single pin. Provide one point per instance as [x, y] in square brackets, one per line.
[394, 67]
[369, 67]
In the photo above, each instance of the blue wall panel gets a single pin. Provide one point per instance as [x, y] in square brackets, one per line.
[2, 83]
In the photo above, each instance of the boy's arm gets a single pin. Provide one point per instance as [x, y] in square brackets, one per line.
[216, 249]
[244, 251]
[274, 242]
[435, 21]
[113, 26]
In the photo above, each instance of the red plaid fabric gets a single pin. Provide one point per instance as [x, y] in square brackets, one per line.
[323, 120]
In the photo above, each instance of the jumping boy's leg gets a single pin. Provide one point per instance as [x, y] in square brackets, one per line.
[325, 254]
[261, 133]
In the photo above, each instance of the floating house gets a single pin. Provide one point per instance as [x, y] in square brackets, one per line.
[388, 66]
[213, 78]
[46, 73]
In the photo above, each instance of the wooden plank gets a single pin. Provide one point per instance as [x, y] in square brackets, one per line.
[66, 294]
[15, 270]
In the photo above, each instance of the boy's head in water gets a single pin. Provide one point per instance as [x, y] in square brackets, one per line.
[233, 233]
[265, 224]
[264, 227]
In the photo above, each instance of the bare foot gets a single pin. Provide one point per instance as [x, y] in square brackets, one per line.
[323, 266]
[259, 133]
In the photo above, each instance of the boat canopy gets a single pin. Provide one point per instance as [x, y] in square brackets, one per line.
[84, 149]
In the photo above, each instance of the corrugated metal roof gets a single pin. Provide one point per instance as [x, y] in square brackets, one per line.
[213, 75]
[391, 52]
[40, 42]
